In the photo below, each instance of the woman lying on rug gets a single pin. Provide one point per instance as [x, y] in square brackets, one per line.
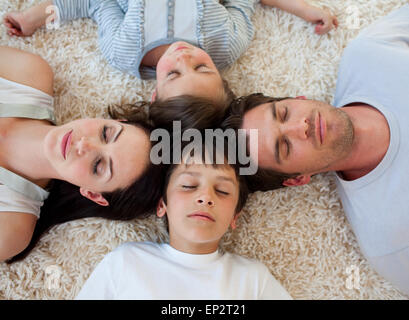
[52, 174]
[183, 43]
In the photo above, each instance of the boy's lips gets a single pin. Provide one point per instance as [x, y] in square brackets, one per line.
[202, 216]
[65, 144]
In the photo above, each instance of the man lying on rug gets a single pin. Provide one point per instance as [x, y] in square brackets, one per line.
[364, 139]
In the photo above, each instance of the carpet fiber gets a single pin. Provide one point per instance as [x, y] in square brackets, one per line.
[301, 233]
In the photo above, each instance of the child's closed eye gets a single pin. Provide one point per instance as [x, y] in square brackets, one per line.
[188, 187]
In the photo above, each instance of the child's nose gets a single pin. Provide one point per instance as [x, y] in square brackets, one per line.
[205, 200]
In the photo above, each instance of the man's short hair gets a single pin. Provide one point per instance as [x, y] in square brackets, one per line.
[264, 179]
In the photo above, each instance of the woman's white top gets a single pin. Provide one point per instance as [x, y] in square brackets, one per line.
[17, 194]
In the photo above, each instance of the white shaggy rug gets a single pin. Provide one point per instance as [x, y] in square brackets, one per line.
[301, 233]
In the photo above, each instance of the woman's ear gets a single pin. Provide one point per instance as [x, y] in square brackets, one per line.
[161, 208]
[153, 97]
[297, 181]
[94, 196]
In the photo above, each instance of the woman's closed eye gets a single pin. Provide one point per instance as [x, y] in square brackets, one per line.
[284, 114]
[107, 133]
[97, 167]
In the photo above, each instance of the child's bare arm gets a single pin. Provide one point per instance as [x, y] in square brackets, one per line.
[323, 18]
[25, 23]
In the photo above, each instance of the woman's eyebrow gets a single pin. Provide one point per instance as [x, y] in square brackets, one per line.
[111, 170]
[119, 133]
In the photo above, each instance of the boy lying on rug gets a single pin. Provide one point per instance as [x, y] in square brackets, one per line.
[200, 201]
[181, 43]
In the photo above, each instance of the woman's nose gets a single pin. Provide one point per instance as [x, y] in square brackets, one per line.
[84, 146]
[205, 200]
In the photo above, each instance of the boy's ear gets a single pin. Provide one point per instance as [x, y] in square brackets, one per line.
[161, 208]
[94, 196]
[297, 181]
[233, 222]
[153, 97]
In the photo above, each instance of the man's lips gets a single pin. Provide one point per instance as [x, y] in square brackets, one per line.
[65, 144]
[319, 128]
[201, 216]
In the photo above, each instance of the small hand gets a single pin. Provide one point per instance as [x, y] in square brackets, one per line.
[323, 18]
[16, 25]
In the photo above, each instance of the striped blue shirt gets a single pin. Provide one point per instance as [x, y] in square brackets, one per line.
[128, 29]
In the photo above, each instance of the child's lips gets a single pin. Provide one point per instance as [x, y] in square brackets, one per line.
[181, 48]
[201, 215]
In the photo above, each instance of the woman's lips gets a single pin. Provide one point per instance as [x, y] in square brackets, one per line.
[65, 144]
[201, 216]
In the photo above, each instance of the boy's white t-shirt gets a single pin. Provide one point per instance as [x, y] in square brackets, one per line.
[146, 270]
[375, 70]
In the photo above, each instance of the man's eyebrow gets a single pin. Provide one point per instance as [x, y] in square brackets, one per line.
[277, 152]
[111, 170]
[277, 143]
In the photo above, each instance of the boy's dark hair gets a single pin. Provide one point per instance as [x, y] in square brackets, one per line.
[264, 179]
[243, 189]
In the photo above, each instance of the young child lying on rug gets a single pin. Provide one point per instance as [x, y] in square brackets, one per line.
[200, 201]
[183, 43]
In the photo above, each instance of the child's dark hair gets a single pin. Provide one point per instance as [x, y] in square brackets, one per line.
[192, 111]
[243, 189]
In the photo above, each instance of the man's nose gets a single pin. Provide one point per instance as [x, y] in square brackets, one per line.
[297, 130]
[205, 200]
[84, 145]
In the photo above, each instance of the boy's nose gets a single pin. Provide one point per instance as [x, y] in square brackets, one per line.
[205, 200]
